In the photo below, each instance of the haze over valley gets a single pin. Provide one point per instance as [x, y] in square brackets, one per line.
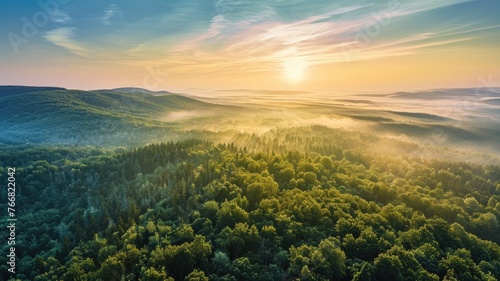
[465, 120]
[250, 140]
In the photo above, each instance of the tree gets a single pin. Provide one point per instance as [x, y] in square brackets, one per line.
[230, 213]
[327, 261]
[239, 240]
[388, 267]
[334, 258]
[196, 275]
[151, 274]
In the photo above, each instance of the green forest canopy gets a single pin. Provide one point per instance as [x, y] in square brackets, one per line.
[321, 209]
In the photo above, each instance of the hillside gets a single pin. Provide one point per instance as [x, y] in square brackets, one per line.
[43, 115]
[134, 116]
[13, 90]
[309, 203]
[128, 184]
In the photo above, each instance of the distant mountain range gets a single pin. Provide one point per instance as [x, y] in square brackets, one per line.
[135, 116]
[139, 90]
[58, 115]
[13, 90]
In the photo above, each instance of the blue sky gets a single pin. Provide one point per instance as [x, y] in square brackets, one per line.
[315, 44]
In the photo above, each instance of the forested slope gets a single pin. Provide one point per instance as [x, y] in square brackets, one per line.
[51, 115]
[194, 210]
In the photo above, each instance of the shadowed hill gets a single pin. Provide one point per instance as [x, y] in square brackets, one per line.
[138, 90]
[495, 102]
[70, 116]
[14, 90]
[134, 116]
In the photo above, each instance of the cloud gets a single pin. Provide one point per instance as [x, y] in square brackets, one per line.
[413, 7]
[225, 23]
[110, 12]
[63, 37]
[216, 26]
[244, 39]
[59, 16]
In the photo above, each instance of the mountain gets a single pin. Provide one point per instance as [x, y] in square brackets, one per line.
[248, 192]
[56, 115]
[135, 116]
[13, 90]
[139, 90]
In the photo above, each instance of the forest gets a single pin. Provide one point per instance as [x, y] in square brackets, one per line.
[250, 140]
[308, 203]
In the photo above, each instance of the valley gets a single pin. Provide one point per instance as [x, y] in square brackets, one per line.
[129, 184]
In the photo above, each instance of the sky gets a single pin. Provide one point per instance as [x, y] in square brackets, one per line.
[204, 45]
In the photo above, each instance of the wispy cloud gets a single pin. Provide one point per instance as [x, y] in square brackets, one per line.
[246, 40]
[318, 39]
[58, 16]
[109, 13]
[412, 7]
[63, 37]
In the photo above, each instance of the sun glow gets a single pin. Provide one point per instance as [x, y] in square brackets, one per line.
[295, 69]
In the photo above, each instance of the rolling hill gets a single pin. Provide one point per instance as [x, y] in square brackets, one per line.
[56, 115]
[229, 192]
[134, 116]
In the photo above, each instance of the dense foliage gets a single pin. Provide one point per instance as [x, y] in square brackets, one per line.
[195, 210]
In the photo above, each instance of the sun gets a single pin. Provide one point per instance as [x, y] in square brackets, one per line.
[295, 69]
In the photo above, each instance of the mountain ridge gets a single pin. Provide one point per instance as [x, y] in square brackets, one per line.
[135, 116]
[60, 115]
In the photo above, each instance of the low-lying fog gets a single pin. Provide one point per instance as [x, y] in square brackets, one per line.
[464, 119]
